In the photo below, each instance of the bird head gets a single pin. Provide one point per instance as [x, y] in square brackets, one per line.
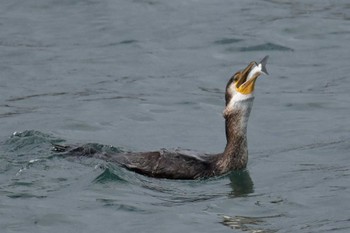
[241, 84]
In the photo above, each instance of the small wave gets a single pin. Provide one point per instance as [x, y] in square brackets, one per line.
[29, 140]
[263, 47]
[11, 111]
[227, 41]
[344, 142]
[36, 95]
[248, 224]
[25, 195]
[110, 174]
[120, 206]
[128, 41]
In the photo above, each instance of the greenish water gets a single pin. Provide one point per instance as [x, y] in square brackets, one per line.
[143, 75]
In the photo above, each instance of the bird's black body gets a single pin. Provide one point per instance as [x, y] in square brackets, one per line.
[171, 164]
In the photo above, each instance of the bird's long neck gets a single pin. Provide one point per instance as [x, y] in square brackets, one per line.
[235, 155]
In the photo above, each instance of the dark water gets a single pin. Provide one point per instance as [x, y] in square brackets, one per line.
[141, 75]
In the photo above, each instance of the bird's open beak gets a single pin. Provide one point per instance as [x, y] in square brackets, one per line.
[243, 85]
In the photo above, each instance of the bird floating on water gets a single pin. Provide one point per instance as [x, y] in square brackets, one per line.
[186, 164]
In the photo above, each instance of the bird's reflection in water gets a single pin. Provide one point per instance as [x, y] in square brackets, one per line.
[241, 183]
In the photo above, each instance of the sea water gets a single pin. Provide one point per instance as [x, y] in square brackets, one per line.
[147, 74]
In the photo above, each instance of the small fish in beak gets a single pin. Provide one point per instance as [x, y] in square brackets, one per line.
[259, 68]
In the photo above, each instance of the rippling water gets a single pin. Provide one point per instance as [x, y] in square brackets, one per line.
[146, 74]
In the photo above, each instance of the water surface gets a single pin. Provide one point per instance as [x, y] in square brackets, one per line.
[142, 75]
